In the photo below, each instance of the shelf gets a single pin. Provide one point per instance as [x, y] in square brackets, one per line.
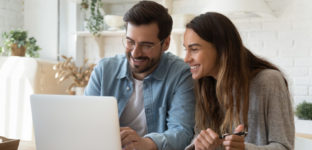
[103, 33]
[119, 33]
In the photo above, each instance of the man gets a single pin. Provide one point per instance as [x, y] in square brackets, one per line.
[154, 89]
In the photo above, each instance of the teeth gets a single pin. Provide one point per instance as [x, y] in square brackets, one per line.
[194, 67]
[139, 60]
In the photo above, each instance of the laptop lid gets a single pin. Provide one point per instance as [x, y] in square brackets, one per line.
[63, 122]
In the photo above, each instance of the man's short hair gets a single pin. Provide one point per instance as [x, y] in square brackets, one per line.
[146, 12]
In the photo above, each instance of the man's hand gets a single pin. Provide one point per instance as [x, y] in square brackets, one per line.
[130, 140]
[207, 140]
[235, 142]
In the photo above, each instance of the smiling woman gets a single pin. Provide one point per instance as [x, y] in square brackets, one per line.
[236, 91]
[201, 55]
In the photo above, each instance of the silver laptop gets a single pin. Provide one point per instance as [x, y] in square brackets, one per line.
[63, 122]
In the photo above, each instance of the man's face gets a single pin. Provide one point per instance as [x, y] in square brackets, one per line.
[143, 48]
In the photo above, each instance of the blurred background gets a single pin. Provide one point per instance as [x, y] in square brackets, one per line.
[277, 30]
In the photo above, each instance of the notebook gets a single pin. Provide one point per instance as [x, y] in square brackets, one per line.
[63, 122]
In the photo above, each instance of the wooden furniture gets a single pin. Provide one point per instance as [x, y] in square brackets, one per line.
[304, 135]
[9, 144]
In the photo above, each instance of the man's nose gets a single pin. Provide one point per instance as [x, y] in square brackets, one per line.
[136, 52]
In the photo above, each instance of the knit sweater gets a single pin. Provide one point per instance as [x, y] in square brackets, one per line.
[270, 116]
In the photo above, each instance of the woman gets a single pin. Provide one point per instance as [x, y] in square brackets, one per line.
[236, 91]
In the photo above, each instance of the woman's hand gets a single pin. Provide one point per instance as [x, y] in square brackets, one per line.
[235, 142]
[207, 140]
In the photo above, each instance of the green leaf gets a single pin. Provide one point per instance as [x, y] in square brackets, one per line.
[95, 23]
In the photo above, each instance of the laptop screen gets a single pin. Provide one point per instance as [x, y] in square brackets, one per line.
[66, 122]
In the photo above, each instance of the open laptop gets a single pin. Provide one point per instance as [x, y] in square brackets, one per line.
[63, 122]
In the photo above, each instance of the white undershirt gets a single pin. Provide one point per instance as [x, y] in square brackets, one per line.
[134, 114]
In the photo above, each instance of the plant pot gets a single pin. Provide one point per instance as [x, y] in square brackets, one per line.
[79, 90]
[303, 126]
[18, 51]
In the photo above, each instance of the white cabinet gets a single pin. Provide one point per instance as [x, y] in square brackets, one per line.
[21, 77]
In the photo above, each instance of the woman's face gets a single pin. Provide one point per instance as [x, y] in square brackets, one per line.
[200, 55]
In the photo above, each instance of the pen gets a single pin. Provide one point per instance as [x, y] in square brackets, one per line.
[238, 133]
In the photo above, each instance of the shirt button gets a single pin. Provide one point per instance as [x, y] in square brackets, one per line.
[128, 88]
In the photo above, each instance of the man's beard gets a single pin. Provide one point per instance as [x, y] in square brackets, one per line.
[151, 63]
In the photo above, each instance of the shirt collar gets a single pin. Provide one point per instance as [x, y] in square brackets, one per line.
[125, 70]
[160, 72]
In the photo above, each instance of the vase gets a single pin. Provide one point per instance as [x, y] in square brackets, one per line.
[18, 51]
[79, 90]
[303, 126]
[114, 22]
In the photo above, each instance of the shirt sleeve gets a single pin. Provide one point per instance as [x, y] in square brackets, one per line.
[94, 85]
[191, 146]
[180, 117]
[271, 146]
[278, 113]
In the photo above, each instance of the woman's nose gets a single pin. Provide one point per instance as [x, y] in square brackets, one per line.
[187, 58]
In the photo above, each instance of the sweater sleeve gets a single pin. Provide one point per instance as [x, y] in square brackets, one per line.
[278, 114]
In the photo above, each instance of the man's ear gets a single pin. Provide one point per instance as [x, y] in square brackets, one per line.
[166, 43]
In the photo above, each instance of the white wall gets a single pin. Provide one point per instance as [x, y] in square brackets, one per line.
[38, 17]
[11, 15]
[41, 21]
[286, 40]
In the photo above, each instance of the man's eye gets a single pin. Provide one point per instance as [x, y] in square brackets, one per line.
[193, 49]
[130, 43]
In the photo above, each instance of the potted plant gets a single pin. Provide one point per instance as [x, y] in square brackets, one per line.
[304, 111]
[95, 23]
[79, 75]
[303, 122]
[17, 43]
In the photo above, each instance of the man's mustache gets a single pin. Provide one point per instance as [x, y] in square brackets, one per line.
[139, 58]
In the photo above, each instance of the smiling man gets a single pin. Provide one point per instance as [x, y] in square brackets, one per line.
[154, 88]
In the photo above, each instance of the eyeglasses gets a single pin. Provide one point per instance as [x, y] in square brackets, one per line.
[145, 46]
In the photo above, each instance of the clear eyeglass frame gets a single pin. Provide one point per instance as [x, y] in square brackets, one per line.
[130, 45]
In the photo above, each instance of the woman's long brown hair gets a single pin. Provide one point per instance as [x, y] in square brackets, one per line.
[223, 104]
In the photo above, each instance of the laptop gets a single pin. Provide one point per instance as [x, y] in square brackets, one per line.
[63, 122]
